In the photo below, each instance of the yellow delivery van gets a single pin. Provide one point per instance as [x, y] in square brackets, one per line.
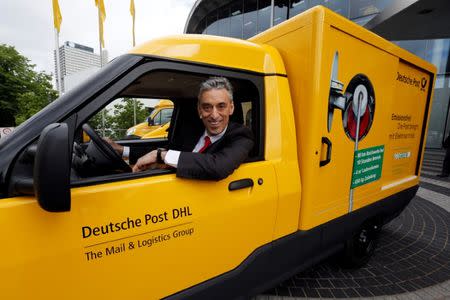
[159, 121]
[339, 117]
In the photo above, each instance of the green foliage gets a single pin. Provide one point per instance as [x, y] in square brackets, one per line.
[102, 122]
[23, 91]
[119, 119]
[124, 113]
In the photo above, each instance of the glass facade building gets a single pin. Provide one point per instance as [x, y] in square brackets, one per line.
[437, 52]
[246, 18]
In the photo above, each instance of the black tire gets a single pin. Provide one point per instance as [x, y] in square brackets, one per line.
[360, 248]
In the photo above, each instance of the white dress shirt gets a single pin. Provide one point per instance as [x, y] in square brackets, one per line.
[172, 156]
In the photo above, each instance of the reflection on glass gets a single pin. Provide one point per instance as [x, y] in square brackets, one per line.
[280, 12]
[439, 110]
[359, 8]
[438, 54]
[439, 82]
[236, 19]
[418, 47]
[224, 21]
[201, 27]
[297, 6]
[250, 15]
[339, 6]
[263, 15]
[363, 20]
[212, 26]
[317, 2]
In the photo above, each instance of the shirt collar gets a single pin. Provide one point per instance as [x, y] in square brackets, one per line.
[214, 138]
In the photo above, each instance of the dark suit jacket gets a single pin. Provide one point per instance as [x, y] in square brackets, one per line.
[220, 159]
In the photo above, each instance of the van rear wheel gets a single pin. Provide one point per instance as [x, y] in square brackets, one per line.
[361, 246]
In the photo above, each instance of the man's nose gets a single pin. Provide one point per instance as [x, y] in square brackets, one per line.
[215, 112]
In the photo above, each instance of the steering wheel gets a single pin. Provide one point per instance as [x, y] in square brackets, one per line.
[104, 154]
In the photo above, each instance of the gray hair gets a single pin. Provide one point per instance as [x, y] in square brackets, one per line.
[216, 83]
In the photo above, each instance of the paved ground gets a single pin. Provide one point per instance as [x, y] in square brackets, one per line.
[412, 260]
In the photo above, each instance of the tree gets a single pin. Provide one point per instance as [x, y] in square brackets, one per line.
[23, 91]
[114, 122]
[123, 115]
[102, 122]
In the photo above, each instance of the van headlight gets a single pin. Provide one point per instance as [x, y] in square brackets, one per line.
[131, 131]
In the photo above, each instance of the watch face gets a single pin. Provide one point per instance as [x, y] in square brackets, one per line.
[360, 107]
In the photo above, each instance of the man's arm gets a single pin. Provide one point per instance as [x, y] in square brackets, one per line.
[218, 164]
[130, 153]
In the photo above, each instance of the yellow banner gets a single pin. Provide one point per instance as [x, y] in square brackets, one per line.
[102, 17]
[132, 11]
[57, 18]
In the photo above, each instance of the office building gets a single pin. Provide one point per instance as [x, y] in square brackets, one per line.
[77, 62]
[420, 27]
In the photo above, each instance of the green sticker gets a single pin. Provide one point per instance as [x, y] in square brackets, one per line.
[367, 165]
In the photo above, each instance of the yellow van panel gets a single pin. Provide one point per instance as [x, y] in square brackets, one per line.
[308, 44]
[280, 148]
[55, 255]
[216, 51]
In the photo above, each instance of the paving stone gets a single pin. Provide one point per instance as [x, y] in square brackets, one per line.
[412, 260]
[351, 292]
[338, 293]
[409, 296]
[298, 292]
[312, 293]
[325, 293]
[283, 291]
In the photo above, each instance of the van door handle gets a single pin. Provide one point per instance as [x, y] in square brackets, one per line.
[327, 142]
[240, 184]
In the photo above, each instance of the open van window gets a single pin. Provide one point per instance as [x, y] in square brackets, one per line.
[175, 121]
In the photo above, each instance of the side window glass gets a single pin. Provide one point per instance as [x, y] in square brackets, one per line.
[120, 118]
[166, 115]
[247, 113]
[157, 119]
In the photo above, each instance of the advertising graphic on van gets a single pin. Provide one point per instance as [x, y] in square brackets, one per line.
[367, 166]
[404, 127]
[360, 107]
[145, 240]
[130, 223]
[412, 81]
[137, 240]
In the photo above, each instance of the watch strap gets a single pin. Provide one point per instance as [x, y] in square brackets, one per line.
[159, 159]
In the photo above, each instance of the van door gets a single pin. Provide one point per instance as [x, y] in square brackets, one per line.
[132, 236]
[353, 125]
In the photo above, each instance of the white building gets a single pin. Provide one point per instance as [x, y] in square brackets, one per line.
[76, 58]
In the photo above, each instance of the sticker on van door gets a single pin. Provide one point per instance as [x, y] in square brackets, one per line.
[367, 165]
[149, 238]
[360, 107]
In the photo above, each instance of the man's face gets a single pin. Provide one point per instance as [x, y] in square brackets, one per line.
[215, 108]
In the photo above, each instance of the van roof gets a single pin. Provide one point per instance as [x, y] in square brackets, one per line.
[213, 50]
[322, 15]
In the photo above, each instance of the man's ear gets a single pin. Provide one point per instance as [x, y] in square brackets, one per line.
[198, 110]
[232, 107]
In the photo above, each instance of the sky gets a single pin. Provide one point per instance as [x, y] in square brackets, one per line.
[28, 25]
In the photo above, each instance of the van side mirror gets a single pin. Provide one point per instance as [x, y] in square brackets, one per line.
[51, 174]
[150, 121]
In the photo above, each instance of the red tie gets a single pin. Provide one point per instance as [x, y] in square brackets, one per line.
[206, 144]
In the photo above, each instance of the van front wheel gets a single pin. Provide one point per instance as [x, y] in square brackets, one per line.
[360, 247]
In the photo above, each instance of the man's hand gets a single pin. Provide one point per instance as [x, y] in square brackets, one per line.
[118, 148]
[149, 161]
[145, 162]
